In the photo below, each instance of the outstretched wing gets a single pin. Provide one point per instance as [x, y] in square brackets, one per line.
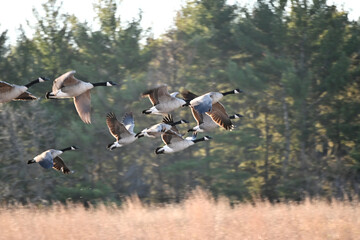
[59, 165]
[168, 119]
[128, 121]
[5, 87]
[188, 96]
[25, 96]
[83, 106]
[157, 95]
[198, 117]
[171, 137]
[220, 117]
[67, 79]
[116, 128]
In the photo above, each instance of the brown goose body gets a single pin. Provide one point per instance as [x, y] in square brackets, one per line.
[51, 159]
[67, 86]
[9, 92]
[163, 102]
[122, 131]
[208, 120]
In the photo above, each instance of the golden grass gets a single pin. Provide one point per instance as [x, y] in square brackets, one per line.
[198, 217]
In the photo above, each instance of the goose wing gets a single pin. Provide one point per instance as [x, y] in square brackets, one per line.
[59, 165]
[170, 137]
[5, 87]
[128, 121]
[117, 129]
[83, 106]
[25, 96]
[198, 117]
[188, 96]
[67, 79]
[157, 95]
[163, 94]
[168, 119]
[219, 116]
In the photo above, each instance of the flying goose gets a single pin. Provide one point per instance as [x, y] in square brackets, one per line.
[122, 131]
[205, 102]
[217, 114]
[175, 143]
[10, 92]
[157, 130]
[162, 101]
[50, 159]
[67, 86]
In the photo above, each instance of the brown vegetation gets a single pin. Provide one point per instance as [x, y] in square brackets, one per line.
[198, 217]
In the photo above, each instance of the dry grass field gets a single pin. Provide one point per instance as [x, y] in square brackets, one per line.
[198, 217]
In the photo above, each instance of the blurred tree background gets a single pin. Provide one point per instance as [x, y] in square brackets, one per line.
[297, 61]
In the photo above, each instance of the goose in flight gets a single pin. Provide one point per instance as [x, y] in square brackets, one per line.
[208, 120]
[10, 92]
[123, 131]
[175, 143]
[50, 159]
[67, 86]
[204, 103]
[162, 101]
[157, 130]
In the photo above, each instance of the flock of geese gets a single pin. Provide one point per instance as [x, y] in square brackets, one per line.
[208, 112]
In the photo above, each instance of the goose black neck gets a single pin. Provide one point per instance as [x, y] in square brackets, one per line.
[31, 161]
[229, 92]
[99, 84]
[66, 149]
[199, 140]
[175, 123]
[32, 83]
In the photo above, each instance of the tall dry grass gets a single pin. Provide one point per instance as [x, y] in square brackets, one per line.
[198, 217]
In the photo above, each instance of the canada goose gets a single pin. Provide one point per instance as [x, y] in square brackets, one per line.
[67, 86]
[205, 102]
[10, 92]
[122, 131]
[162, 101]
[50, 159]
[217, 114]
[175, 143]
[157, 130]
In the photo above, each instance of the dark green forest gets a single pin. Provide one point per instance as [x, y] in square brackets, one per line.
[296, 60]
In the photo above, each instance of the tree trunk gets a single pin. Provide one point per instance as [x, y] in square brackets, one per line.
[286, 134]
[267, 145]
